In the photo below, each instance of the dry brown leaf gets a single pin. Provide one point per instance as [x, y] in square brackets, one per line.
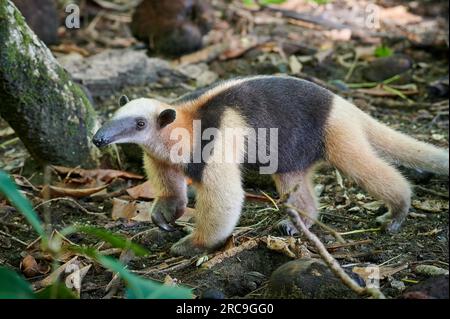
[142, 191]
[49, 191]
[239, 46]
[378, 91]
[139, 211]
[368, 273]
[76, 277]
[205, 55]
[100, 175]
[431, 205]
[256, 197]
[30, 267]
[50, 279]
[373, 206]
[70, 48]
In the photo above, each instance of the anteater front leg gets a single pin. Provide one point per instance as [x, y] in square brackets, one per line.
[170, 185]
[219, 202]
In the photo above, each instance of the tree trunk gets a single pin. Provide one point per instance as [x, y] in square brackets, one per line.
[49, 113]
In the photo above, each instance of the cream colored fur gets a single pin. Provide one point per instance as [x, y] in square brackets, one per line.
[220, 195]
[356, 145]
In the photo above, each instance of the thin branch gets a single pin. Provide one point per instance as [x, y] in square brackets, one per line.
[328, 228]
[294, 214]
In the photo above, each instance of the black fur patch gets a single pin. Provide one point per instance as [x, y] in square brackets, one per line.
[298, 108]
[123, 100]
[166, 117]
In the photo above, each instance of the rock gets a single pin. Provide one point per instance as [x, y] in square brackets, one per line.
[306, 279]
[212, 293]
[48, 111]
[397, 284]
[42, 17]
[108, 72]
[172, 27]
[432, 288]
[384, 68]
[439, 88]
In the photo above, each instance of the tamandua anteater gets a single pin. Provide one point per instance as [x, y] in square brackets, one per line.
[313, 125]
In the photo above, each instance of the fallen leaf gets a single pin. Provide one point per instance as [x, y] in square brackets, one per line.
[50, 279]
[30, 267]
[431, 205]
[169, 281]
[49, 191]
[295, 64]
[430, 270]
[142, 191]
[99, 175]
[74, 280]
[139, 211]
[205, 55]
[201, 260]
[373, 206]
[280, 245]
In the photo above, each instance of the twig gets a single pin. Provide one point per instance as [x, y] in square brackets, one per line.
[72, 201]
[13, 238]
[430, 191]
[329, 260]
[328, 228]
[360, 231]
[349, 244]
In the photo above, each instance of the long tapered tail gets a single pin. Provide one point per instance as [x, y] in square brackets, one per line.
[406, 150]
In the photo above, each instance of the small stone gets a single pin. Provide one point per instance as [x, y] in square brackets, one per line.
[397, 284]
[212, 293]
[306, 278]
[384, 68]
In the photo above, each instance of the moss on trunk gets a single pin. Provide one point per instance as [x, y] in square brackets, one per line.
[51, 114]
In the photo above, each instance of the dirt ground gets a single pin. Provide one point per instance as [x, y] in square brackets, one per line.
[327, 58]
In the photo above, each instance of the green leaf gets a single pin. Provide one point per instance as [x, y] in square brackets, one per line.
[262, 2]
[14, 286]
[140, 288]
[383, 51]
[56, 291]
[8, 188]
[115, 240]
[321, 2]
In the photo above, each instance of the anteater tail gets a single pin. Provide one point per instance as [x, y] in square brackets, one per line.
[406, 150]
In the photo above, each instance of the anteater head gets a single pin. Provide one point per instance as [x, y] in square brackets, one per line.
[137, 121]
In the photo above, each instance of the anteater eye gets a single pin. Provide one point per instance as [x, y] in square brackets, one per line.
[140, 124]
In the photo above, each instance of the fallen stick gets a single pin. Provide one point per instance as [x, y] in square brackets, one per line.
[294, 214]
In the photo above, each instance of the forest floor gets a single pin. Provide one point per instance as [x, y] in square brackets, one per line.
[264, 42]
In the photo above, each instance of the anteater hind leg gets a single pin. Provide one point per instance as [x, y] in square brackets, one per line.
[350, 152]
[298, 186]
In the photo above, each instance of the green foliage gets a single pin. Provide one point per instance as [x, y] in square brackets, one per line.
[140, 288]
[56, 291]
[321, 2]
[262, 2]
[14, 286]
[115, 240]
[383, 51]
[8, 188]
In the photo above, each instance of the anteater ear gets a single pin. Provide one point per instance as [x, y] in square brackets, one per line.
[123, 100]
[166, 117]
